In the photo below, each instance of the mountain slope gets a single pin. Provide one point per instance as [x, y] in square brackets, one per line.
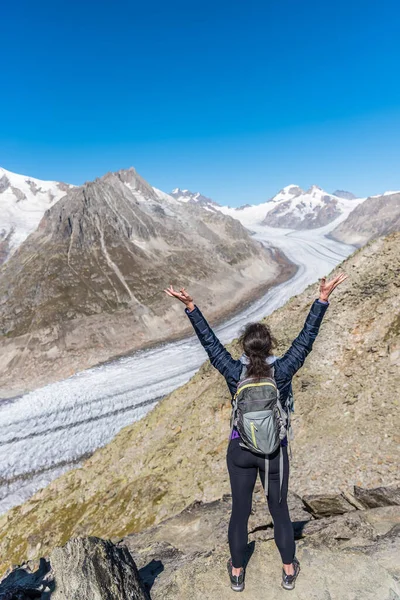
[87, 284]
[376, 216]
[176, 455]
[23, 201]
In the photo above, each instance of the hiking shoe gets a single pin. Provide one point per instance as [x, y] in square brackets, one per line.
[288, 581]
[237, 581]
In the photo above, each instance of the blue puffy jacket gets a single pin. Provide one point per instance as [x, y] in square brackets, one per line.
[285, 366]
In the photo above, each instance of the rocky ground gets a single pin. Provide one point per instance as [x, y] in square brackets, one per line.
[348, 546]
[346, 425]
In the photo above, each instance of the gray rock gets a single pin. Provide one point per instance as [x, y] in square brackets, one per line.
[381, 496]
[19, 194]
[325, 505]
[93, 569]
[83, 569]
[4, 184]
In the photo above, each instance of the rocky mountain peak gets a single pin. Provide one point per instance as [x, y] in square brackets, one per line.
[109, 206]
[287, 192]
[314, 189]
[133, 181]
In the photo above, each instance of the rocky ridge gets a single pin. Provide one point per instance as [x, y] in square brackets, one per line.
[376, 216]
[194, 198]
[347, 549]
[157, 467]
[109, 248]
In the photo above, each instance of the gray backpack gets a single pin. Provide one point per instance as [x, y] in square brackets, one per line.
[260, 419]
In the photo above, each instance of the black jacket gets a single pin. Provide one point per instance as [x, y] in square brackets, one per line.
[285, 366]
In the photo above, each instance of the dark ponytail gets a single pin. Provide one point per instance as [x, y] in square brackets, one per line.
[257, 343]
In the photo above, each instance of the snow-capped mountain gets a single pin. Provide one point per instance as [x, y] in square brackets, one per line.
[23, 201]
[294, 208]
[194, 198]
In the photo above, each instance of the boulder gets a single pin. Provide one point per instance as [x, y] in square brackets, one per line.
[83, 569]
[92, 569]
[326, 505]
[376, 497]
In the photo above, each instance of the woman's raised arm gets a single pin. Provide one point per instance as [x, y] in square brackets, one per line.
[219, 356]
[294, 358]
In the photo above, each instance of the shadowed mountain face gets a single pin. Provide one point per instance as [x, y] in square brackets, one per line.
[87, 284]
[176, 455]
[376, 216]
[344, 194]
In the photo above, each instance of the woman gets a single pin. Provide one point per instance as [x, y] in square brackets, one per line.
[244, 465]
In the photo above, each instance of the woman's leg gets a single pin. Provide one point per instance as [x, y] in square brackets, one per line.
[283, 529]
[243, 471]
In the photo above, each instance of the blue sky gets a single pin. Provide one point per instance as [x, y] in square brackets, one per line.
[235, 99]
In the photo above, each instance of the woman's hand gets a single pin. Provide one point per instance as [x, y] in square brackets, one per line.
[327, 287]
[182, 295]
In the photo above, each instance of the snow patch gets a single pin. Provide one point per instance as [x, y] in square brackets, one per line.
[23, 203]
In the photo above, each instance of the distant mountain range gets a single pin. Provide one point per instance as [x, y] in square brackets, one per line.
[24, 200]
[294, 208]
[87, 283]
[359, 219]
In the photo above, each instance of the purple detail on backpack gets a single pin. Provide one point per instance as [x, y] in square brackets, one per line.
[235, 434]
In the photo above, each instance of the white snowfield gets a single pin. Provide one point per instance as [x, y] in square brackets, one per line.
[23, 202]
[50, 430]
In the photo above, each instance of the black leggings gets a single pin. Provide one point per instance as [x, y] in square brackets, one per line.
[243, 467]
